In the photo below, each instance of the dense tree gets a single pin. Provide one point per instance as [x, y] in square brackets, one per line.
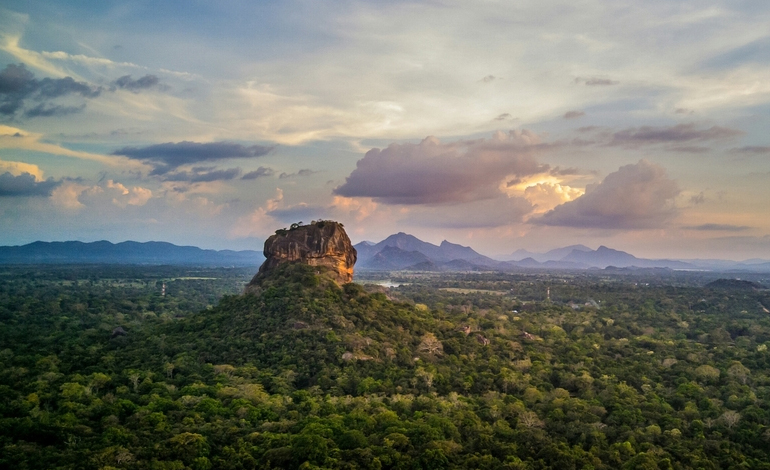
[456, 371]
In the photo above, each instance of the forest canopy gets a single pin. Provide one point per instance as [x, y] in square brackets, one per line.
[102, 367]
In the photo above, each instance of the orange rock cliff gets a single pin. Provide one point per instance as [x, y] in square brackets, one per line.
[322, 243]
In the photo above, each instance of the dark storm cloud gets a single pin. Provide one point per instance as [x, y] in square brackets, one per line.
[432, 172]
[573, 114]
[127, 83]
[169, 156]
[203, 175]
[22, 93]
[634, 197]
[258, 173]
[720, 227]
[25, 185]
[595, 81]
[648, 135]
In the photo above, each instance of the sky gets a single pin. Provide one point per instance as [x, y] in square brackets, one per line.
[639, 125]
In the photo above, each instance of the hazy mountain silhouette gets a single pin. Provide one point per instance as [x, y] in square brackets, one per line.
[128, 252]
[401, 250]
[404, 251]
[603, 257]
[557, 254]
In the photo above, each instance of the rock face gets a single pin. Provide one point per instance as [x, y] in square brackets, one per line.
[323, 243]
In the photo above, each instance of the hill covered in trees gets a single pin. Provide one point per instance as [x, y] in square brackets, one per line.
[462, 372]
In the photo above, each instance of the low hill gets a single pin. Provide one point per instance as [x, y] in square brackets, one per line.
[733, 284]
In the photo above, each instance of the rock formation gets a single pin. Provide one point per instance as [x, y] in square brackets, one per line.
[322, 243]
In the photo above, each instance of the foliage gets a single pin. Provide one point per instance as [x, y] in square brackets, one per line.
[307, 374]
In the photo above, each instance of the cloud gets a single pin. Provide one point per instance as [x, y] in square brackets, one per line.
[696, 199]
[56, 87]
[503, 117]
[570, 171]
[68, 195]
[15, 138]
[690, 149]
[302, 172]
[596, 81]
[259, 222]
[276, 213]
[16, 79]
[546, 196]
[48, 110]
[298, 212]
[19, 168]
[25, 185]
[488, 213]
[636, 196]
[432, 172]
[489, 78]
[719, 227]
[649, 135]
[100, 197]
[203, 175]
[84, 59]
[22, 93]
[258, 173]
[573, 114]
[123, 196]
[127, 83]
[752, 149]
[756, 51]
[169, 156]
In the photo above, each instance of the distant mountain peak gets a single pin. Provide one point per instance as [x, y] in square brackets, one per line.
[379, 256]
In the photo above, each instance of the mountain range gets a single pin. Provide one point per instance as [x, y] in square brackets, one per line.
[402, 251]
[407, 252]
[553, 255]
[399, 251]
[128, 252]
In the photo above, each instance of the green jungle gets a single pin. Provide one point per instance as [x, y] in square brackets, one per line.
[103, 368]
